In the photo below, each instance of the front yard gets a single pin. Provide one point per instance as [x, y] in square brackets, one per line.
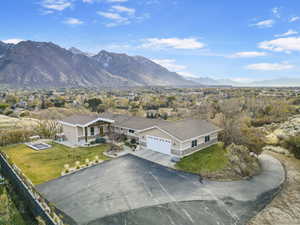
[42, 166]
[211, 159]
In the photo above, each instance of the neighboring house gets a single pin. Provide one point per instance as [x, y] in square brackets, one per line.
[178, 138]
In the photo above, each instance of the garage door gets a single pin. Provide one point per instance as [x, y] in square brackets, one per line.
[159, 144]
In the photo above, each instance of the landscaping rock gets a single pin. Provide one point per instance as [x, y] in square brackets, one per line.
[272, 139]
[277, 149]
[283, 131]
[242, 163]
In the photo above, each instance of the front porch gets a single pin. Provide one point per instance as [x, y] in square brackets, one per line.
[96, 132]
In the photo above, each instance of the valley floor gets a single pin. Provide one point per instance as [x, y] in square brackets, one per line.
[285, 208]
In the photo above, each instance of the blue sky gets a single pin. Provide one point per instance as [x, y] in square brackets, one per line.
[241, 40]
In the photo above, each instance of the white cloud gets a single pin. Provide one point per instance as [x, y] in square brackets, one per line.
[123, 9]
[73, 21]
[247, 54]
[294, 18]
[88, 1]
[241, 80]
[112, 16]
[281, 44]
[275, 12]
[13, 41]
[288, 33]
[177, 43]
[264, 24]
[170, 64]
[187, 74]
[269, 66]
[115, 17]
[58, 5]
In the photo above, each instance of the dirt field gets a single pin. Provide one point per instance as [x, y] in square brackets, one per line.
[285, 208]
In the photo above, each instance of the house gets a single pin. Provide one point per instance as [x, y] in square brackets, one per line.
[179, 138]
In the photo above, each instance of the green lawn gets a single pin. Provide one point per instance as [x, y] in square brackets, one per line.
[210, 159]
[42, 166]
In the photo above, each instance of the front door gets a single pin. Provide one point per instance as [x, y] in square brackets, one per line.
[101, 131]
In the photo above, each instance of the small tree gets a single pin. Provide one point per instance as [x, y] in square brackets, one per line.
[48, 128]
[93, 103]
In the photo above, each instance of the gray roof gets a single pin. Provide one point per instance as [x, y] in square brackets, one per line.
[189, 128]
[80, 119]
[182, 129]
[133, 122]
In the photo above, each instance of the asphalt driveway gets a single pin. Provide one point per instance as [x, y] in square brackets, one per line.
[133, 191]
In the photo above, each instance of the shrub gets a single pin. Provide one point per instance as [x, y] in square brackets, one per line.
[293, 145]
[24, 113]
[77, 165]
[133, 141]
[67, 168]
[121, 138]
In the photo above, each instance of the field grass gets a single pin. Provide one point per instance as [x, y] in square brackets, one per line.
[42, 166]
[7, 122]
[210, 159]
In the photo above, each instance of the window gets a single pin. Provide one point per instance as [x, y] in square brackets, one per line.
[194, 143]
[207, 138]
[92, 131]
[131, 131]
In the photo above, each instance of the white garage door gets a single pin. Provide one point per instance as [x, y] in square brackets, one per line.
[159, 144]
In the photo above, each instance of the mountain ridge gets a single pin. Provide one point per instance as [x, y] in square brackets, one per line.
[45, 64]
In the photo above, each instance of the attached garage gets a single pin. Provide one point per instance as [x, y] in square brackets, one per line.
[159, 144]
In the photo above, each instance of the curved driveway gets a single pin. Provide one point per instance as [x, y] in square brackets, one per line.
[133, 191]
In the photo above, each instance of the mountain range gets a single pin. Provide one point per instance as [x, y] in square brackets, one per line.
[279, 82]
[45, 64]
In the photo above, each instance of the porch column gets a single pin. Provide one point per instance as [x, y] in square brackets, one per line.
[86, 134]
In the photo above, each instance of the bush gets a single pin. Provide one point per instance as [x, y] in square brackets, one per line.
[293, 145]
[133, 141]
[24, 113]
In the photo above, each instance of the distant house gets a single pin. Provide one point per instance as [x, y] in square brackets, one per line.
[178, 138]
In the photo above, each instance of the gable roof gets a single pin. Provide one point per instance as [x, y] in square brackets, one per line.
[182, 129]
[133, 122]
[80, 120]
[189, 128]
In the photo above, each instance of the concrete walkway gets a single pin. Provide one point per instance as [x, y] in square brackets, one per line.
[156, 157]
[133, 191]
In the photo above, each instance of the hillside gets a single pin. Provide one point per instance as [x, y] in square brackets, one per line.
[43, 64]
